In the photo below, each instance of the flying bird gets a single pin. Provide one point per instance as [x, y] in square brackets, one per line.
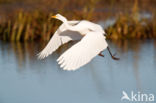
[92, 43]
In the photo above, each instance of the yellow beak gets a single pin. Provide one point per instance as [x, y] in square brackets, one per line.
[53, 16]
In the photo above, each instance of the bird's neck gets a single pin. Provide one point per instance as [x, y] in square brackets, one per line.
[69, 27]
[64, 20]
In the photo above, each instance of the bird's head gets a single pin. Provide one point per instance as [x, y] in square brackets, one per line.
[59, 17]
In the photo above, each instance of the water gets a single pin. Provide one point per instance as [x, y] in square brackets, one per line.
[24, 79]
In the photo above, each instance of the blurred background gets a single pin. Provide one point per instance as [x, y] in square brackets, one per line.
[23, 20]
[25, 29]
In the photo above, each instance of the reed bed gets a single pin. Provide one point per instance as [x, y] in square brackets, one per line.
[26, 26]
[37, 25]
[30, 26]
[133, 26]
[127, 27]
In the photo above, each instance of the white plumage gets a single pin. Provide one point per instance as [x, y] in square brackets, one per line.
[83, 52]
[61, 36]
[92, 43]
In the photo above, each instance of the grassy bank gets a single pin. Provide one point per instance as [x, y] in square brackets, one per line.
[30, 26]
[36, 25]
[133, 26]
[129, 27]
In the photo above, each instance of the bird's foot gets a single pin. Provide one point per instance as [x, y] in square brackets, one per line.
[100, 54]
[115, 58]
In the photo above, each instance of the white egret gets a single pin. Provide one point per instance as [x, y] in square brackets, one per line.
[92, 42]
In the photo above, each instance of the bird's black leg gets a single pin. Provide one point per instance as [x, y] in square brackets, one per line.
[100, 54]
[113, 56]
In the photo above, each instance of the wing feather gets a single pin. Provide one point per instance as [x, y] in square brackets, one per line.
[83, 52]
[61, 36]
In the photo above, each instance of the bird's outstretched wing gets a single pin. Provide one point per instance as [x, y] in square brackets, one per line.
[83, 52]
[61, 36]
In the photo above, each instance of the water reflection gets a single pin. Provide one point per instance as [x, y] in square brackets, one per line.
[99, 81]
[135, 46]
[29, 50]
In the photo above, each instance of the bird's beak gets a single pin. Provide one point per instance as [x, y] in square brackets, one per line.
[53, 16]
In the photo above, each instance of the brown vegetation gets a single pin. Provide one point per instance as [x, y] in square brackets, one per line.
[24, 25]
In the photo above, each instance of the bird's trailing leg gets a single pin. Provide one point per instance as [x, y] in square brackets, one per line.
[113, 56]
[100, 54]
